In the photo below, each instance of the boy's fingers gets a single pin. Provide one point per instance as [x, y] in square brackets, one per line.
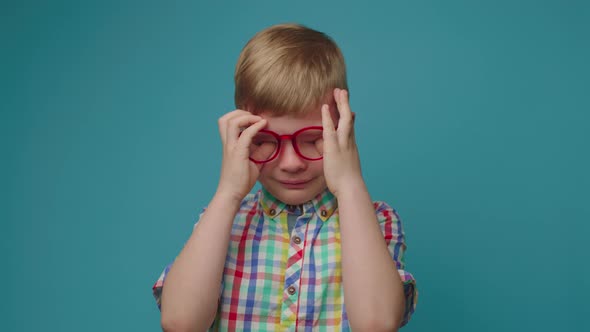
[327, 118]
[245, 138]
[237, 124]
[327, 123]
[222, 123]
[346, 117]
[345, 123]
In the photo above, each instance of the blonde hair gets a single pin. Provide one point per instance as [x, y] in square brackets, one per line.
[288, 69]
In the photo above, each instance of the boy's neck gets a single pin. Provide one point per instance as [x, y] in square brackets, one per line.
[293, 208]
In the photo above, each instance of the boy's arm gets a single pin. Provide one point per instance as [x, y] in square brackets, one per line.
[375, 299]
[372, 286]
[191, 290]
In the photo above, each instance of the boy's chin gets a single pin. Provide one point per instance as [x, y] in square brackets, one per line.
[295, 196]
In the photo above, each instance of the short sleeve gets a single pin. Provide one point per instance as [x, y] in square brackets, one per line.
[157, 288]
[394, 236]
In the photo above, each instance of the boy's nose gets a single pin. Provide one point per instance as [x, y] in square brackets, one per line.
[289, 160]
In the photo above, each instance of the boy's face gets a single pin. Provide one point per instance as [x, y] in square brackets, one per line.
[288, 177]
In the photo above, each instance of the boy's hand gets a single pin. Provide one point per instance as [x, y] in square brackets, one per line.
[342, 168]
[238, 173]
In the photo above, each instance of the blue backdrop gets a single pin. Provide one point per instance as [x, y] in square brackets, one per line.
[472, 121]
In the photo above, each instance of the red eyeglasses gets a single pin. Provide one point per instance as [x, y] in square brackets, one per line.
[307, 142]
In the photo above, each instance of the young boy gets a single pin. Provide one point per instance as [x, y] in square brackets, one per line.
[309, 251]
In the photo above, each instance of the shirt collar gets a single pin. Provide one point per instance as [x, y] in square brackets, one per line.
[324, 204]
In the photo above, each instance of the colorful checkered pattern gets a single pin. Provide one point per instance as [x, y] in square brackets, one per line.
[276, 281]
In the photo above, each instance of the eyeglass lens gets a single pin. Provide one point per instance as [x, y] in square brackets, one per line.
[309, 144]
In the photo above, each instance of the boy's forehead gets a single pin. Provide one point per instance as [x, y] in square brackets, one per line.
[304, 110]
[286, 124]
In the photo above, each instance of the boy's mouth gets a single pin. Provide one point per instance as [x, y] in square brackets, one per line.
[294, 183]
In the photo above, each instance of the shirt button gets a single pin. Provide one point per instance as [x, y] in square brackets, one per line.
[297, 240]
[291, 290]
[324, 213]
[272, 212]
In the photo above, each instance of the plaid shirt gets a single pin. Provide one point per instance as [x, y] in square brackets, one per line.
[276, 281]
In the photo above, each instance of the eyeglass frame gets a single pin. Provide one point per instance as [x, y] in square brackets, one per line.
[292, 137]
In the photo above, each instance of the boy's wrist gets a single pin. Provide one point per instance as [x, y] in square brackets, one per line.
[352, 186]
[231, 200]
